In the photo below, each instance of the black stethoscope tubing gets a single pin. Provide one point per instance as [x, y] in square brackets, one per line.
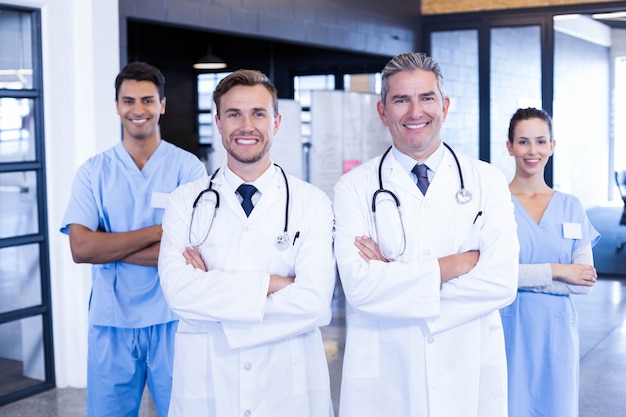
[461, 193]
[217, 195]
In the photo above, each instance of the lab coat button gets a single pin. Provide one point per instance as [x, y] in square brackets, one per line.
[247, 413]
[430, 340]
[426, 252]
[247, 366]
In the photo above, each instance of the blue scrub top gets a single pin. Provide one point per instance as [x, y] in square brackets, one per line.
[548, 241]
[541, 329]
[111, 193]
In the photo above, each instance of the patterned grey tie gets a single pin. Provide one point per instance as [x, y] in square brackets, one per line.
[421, 170]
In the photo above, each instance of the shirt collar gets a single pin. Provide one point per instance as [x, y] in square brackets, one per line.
[407, 163]
[261, 183]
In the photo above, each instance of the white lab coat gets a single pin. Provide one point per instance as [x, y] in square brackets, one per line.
[238, 351]
[413, 349]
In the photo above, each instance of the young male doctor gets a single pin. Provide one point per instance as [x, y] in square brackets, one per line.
[427, 249]
[247, 263]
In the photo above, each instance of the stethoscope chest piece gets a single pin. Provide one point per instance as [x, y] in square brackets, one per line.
[282, 241]
[463, 196]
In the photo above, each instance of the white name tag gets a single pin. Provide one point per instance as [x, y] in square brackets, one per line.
[158, 199]
[572, 231]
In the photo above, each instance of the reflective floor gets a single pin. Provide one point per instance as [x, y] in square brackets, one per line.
[602, 346]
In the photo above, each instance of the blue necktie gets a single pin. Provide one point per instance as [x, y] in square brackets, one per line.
[421, 170]
[247, 191]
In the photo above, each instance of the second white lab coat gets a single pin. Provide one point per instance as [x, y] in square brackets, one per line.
[413, 349]
[238, 351]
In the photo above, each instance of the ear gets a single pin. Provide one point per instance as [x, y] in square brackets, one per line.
[163, 100]
[552, 146]
[509, 147]
[381, 113]
[444, 109]
[277, 119]
[218, 123]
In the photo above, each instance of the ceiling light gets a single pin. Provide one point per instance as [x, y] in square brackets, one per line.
[209, 62]
[610, 16]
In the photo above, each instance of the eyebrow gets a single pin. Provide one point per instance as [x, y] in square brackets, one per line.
[253, 110]
[133, 98]
[428, 94]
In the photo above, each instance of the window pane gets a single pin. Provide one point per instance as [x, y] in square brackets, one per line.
[16, 66]
[20, 278]
[515, 82]
[582, 74]
[21, 355]
[18, 204]
[365, 83]
[304, 84]
[206, 86]
[457, 53]
[620, 110]
[17, 130]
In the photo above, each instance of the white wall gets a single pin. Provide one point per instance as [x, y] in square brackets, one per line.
[80, 62]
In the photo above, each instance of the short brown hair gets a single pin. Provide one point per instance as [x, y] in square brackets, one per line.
[248, 78]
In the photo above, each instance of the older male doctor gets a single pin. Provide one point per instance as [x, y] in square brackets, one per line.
[427, 255]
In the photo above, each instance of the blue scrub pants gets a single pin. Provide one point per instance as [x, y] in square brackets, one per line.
[119, 363]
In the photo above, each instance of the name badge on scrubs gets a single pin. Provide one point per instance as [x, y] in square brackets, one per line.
[572, 231]
[158, 199]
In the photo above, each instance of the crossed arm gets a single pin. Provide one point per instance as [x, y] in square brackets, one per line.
[450, 266]
[277, 282]
[140, 247]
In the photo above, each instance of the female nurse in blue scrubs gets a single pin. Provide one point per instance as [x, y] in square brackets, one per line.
[556, 260]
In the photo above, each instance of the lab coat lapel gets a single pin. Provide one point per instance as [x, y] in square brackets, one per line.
[447, 176]
[402, 181]
[228, 197]
[272, 197]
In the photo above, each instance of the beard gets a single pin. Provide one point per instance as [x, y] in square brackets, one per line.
[248, 158]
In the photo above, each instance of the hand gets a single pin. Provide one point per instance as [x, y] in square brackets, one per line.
[452, 266]
[278, 282]
[193, 258]
[368, 249]
[576, 274]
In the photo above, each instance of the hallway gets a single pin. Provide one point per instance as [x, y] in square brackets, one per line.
[602, 347]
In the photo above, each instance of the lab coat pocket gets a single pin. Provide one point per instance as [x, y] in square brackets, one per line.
[362, 341]
[284, 257]
[467, 230]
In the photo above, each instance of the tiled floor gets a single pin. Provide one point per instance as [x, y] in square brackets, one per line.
[602, 378]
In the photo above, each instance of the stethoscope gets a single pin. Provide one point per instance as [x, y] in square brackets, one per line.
[282, 240]
[463, 196]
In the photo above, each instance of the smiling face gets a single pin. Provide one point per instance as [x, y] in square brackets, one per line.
[531, 146]
[247, 123]
[414, 111]
[140, 107]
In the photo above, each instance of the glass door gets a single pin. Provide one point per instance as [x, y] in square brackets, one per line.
[457, 54]
[566, 60]
[515, 82]
[491, 67]
[26, 357]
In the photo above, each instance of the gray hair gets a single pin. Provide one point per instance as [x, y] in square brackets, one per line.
[410, 61]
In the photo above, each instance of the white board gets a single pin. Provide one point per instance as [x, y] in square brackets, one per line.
[345, 132]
